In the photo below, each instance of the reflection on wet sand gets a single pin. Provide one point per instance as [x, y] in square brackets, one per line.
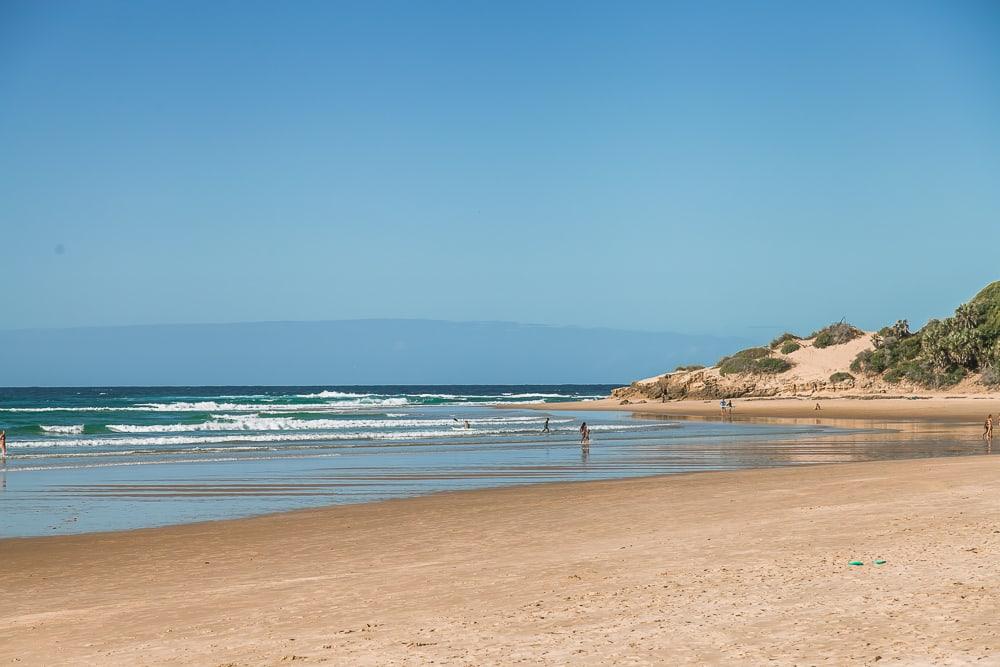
[132, 496]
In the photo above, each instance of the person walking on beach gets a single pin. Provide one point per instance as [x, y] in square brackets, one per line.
[722, 407]
[3, 445]
[988, 427]
[546, 428]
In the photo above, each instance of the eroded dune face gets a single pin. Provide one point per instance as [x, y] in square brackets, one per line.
[810, 372]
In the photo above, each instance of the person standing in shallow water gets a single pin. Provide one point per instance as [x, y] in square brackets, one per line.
[988, 427]
[584, 433]
[3, 445]
[546, 428]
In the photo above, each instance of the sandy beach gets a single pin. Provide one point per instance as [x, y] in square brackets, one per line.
[963, 409]
[746, 567]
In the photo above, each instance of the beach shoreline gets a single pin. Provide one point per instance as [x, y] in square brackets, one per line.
[738, 567]
[917, 408]
[745, 566]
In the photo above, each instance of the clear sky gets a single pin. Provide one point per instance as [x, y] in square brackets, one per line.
[696, 167]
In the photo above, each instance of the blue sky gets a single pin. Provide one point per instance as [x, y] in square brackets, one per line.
[694, 167]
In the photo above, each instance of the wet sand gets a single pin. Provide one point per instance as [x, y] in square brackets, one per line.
[746, 567]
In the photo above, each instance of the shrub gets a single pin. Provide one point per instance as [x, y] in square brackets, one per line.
[747, 355]
[890, 336]
[836, 334]
[861, 362]
[870, 361]
[790, 346]
[954, 376]
[753, 360]
[841, 376]
[926, 374]
[735, 365]
[784, 338]
[771, 366]
[991, 376]
[693, 367]
[988, 304]
[893, 375]
[907, 349]
[919, 373]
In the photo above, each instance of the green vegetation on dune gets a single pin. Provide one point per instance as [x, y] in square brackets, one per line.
[944, 351]
[841, 376]
[837, 333]
[784, 338]
[754, 360]
[771, 365]
[749, 353]
[789, 346]
[693, 367]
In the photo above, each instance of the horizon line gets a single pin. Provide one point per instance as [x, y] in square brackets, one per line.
[362, 319]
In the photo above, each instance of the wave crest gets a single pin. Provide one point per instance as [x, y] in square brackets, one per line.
[72, 429]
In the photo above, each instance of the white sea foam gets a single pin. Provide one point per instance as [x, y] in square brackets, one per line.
[341, 401]
[215, 406]
[143, 452]
[627, 427]
[75, 429]
[257, 423]
[116, 464]
[301, 436]
[74, 409]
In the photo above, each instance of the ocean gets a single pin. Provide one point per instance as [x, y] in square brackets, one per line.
[105, 458]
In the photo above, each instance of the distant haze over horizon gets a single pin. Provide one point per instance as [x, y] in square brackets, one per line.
[346, 352]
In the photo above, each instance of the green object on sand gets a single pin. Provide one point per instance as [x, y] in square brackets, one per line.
[856, 562]
[879, 561]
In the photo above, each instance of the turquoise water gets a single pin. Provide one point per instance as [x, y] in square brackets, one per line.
[109, 459]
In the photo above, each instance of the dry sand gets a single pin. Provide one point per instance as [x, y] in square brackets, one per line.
[737, 568]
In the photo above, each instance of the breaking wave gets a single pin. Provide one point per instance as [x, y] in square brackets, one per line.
[301, 436]
[75, 429]
[257, 423]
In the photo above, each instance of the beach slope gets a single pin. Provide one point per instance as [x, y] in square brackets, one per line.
[744, 567]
